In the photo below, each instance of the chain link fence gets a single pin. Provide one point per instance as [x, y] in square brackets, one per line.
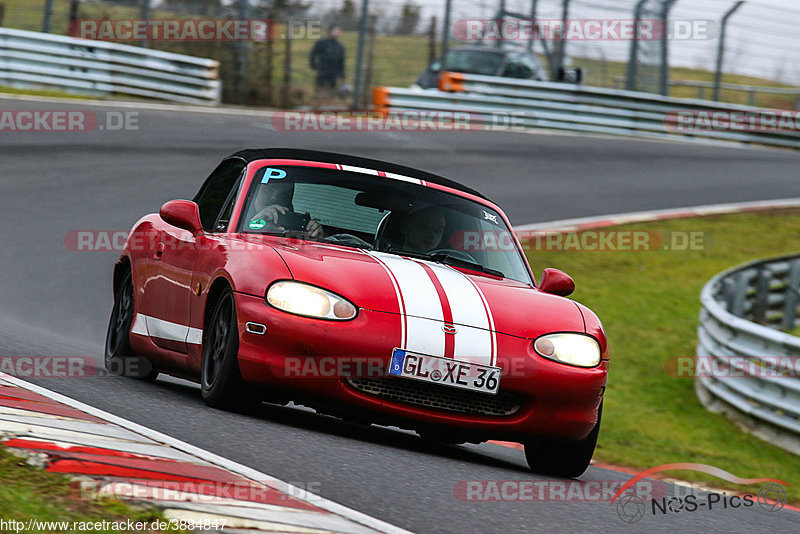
[262, 70]
[755, 62]
[400, 38]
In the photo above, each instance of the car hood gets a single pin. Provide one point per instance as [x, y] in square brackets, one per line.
[416, 288]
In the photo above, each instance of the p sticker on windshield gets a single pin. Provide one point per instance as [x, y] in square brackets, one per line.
[489, 217]
[257, 224]
[273, 174]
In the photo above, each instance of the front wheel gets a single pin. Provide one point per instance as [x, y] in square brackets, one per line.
[221, 384]
[119, 357]
[548, 456]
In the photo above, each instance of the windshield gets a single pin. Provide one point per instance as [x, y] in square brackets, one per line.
[485, 62]
[384, 214]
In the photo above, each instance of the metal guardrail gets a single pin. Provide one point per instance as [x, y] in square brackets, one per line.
[742, 310]
[575, 108]
[40, 60]
[751, 90]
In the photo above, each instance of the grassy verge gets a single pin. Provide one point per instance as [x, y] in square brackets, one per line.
[27, 492]
[40, 92]
[649, 305]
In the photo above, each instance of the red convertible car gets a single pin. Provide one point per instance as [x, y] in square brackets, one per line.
[366, 290]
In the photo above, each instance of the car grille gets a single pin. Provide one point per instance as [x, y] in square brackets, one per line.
[438, 397]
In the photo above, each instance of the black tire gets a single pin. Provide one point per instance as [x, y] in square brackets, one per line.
[570, 459]
[119, 356]
[221, 384]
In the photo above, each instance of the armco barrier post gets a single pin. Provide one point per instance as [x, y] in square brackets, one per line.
[448, 7]
[47, 21]
[362, 35]
[532, 38]
[240, 53]
[633, 58]
[664, 76]
[499, 18]
[145, 16]
[555, 68]
[721, 47]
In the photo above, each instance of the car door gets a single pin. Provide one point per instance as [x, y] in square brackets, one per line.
[170, 285]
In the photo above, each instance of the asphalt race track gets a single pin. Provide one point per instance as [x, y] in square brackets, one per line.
[56, 301]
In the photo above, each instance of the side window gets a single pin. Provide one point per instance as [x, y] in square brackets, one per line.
[217, 195]
[531, 64]
[225, 216]
[516, 68]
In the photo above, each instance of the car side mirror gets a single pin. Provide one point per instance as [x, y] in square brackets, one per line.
[570, 75]
[184, 214]
[556, 282]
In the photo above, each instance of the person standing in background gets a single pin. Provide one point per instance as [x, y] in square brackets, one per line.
[327, 59]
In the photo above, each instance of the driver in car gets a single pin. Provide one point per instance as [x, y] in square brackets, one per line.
[276, 200]
[424, 230]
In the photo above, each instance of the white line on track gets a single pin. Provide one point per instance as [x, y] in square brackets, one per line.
[655, 215]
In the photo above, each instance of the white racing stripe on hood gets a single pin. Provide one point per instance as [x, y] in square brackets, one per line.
[473, 342]
[474, 339]
[400, 302]
[424, 314]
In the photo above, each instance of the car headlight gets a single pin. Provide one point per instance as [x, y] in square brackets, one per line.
[572, 349]
[304, 299]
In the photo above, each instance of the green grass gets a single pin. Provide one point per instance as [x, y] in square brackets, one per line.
[398, 59]
[28, 492]
[612, 74]
[39, 92]
[649, 305]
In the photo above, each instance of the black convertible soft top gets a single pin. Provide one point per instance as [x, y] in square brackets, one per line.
[251, 154]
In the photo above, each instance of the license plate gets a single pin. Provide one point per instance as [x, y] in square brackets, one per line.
[445, 371]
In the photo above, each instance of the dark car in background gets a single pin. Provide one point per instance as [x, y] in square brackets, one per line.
[486, 60]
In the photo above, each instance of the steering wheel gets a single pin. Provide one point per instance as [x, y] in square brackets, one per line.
[458, 254]
[348, 239]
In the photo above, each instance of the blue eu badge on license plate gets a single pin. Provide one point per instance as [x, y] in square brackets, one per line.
[396, 367]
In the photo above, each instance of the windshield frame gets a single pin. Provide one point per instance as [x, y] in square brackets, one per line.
[249, 187]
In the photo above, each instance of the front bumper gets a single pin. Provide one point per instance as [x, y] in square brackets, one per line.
[334, 366]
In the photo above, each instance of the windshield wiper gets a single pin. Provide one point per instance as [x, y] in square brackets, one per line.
[448, 259]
